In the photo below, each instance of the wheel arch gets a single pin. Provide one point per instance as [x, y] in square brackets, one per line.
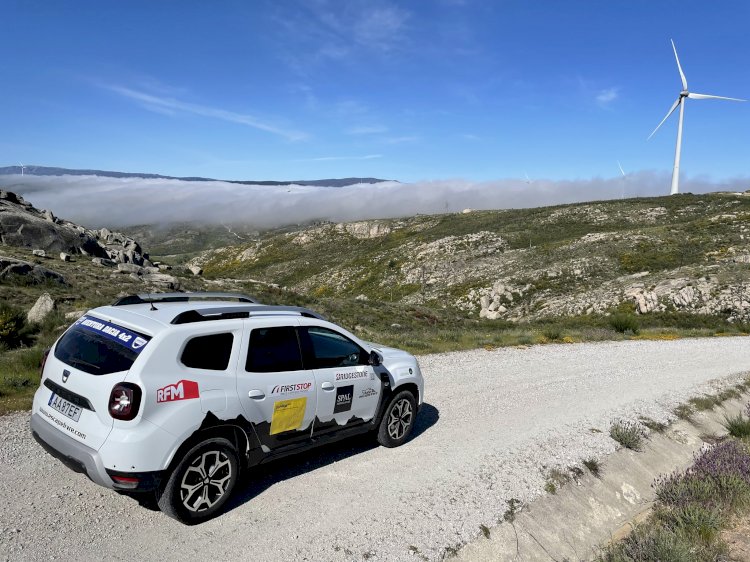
[235, 434]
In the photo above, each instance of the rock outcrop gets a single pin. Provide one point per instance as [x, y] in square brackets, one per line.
[23, 225]
[31, 273]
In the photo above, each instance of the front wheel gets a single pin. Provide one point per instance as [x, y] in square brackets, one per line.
[201, 483]
[398, 420]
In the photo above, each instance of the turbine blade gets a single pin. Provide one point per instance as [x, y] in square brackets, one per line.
[621, 170]
[679, 100]
[679, 67]
[695, 96]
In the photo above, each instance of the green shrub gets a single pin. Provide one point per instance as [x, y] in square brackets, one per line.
[622, 323]
[628, 434]
[593, 466]
[552, 332]
[737, 426]
[13, 328]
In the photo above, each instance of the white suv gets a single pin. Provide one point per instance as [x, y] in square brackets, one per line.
[176, 393]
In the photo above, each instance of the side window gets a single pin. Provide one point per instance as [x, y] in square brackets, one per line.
[273, 349]
[208, 352]
[331, 349]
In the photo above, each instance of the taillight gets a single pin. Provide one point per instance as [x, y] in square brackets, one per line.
[124, 401]
[129, 482]
[43, 362]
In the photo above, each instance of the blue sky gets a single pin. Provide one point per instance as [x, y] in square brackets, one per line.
[400, 90]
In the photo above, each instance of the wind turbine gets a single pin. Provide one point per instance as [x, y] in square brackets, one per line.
[680, 102]
[22, 168]
[528, 179]
[624, 179]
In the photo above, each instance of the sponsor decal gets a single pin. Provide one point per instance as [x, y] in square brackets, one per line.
[181, 390]
[65, 376]
[287, 388]
[367, 392]
[116, 333]
[343, 399]
[288, 415]
[351, 375]
[62, 424]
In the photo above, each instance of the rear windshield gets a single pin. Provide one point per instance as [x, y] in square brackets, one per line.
[98, 347]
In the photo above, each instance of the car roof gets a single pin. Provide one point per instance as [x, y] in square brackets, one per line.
[154, 316]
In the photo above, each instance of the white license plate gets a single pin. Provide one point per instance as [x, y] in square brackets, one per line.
[64, 407]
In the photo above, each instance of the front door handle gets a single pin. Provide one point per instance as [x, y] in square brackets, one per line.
[327, 386]
[256, 394]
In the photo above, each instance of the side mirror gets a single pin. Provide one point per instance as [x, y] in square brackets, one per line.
[374, 359]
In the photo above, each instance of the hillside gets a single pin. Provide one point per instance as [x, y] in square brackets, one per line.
[669, 254]
[640, 268]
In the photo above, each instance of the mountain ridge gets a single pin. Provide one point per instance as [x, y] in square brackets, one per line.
[57, 171]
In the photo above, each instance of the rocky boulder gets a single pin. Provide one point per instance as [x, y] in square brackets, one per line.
[31, 273]
[43, 306]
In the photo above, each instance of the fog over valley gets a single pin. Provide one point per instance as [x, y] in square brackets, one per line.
[97, 201]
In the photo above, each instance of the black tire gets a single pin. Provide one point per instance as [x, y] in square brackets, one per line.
[190, 494]
[398, 420]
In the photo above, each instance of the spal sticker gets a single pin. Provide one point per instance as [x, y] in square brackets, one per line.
[288, 415]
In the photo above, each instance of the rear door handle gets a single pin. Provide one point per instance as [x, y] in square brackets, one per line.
[256, 394]
[327, 386]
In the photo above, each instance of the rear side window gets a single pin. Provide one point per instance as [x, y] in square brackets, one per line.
[208, 352]
[98, 347]
[273, 349]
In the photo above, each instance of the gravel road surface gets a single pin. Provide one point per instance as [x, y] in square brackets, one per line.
[492, 424]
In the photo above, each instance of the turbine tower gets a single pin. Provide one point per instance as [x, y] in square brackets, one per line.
[680, 102]
[22, 167]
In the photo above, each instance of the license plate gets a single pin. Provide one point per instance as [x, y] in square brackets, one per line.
[64, 407]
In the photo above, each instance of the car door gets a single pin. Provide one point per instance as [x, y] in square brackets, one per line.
[347, 387]
[276, 391]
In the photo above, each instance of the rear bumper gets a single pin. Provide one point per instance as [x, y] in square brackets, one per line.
[80, 458]
[71, 453]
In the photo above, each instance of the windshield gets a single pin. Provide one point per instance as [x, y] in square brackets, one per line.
[98, 347]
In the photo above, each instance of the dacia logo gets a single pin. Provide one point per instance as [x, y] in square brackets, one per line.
[66, 374]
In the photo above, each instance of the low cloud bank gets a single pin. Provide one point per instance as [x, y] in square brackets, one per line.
[116, 202]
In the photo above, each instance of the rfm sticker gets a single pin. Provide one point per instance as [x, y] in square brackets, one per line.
[181, 390]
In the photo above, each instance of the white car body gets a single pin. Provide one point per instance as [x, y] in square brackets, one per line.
[265, 413]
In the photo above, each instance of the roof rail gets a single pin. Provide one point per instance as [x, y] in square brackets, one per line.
[144, 298]
[242, 311]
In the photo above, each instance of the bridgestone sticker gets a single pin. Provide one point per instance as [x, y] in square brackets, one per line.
[288, 415]
[343, 399]
[121, 335]
[352, 375]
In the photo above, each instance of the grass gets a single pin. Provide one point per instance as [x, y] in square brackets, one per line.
[652, 424]
[593, 466]
[628, 434]
[737, 426]
[556, 478]
[704, 403]
[684, 412]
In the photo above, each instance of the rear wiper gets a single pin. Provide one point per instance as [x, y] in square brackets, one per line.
[75, 362]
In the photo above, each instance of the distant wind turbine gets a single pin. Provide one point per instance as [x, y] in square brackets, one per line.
[22, 168]
[528, 179]
[624, 179]
[680, 102]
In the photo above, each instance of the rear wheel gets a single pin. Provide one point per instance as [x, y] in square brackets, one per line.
[398, 420]
[201, 483]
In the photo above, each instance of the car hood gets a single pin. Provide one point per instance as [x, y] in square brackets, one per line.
[390, 352]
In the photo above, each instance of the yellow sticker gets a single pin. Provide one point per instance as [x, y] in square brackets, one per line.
[288, 415]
